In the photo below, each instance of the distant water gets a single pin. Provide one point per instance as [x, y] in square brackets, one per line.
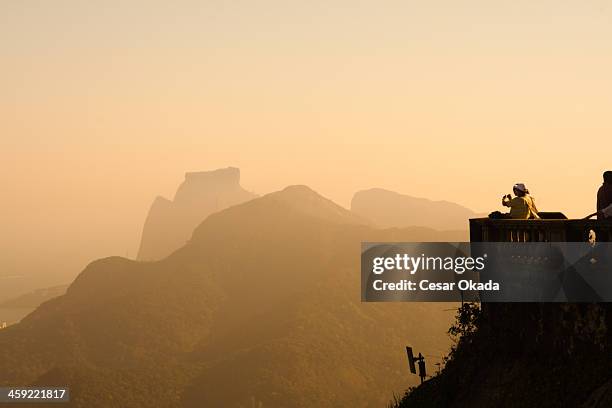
[13, 315]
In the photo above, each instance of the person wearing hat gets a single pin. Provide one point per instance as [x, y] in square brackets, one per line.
[522, 207]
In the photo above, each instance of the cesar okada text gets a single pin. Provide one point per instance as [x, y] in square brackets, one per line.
[411, 264]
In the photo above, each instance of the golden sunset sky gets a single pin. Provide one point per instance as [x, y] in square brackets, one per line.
[105, 104]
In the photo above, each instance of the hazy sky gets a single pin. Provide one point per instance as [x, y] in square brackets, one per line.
[104, 105]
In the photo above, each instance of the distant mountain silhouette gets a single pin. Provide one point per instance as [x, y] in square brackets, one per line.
[35, 298]
[14, 309]
[169, 224]
[389, 209]
[261, 306]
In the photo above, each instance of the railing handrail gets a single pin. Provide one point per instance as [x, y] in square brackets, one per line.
[551, 230]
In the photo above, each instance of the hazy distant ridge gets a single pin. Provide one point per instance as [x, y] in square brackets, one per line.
[264, 301]
[35, 298]
[390, 209]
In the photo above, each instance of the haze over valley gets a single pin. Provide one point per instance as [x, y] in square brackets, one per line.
[265, 291]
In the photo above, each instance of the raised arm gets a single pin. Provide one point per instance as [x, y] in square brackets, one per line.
[506, 200]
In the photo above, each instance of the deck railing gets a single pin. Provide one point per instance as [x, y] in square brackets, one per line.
[545, 230]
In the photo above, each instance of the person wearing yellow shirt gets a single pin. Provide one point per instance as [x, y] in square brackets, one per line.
[522, 206]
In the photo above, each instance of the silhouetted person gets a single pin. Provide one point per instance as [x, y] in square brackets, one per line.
[522, 207]
[604, 196]
[421, 362]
